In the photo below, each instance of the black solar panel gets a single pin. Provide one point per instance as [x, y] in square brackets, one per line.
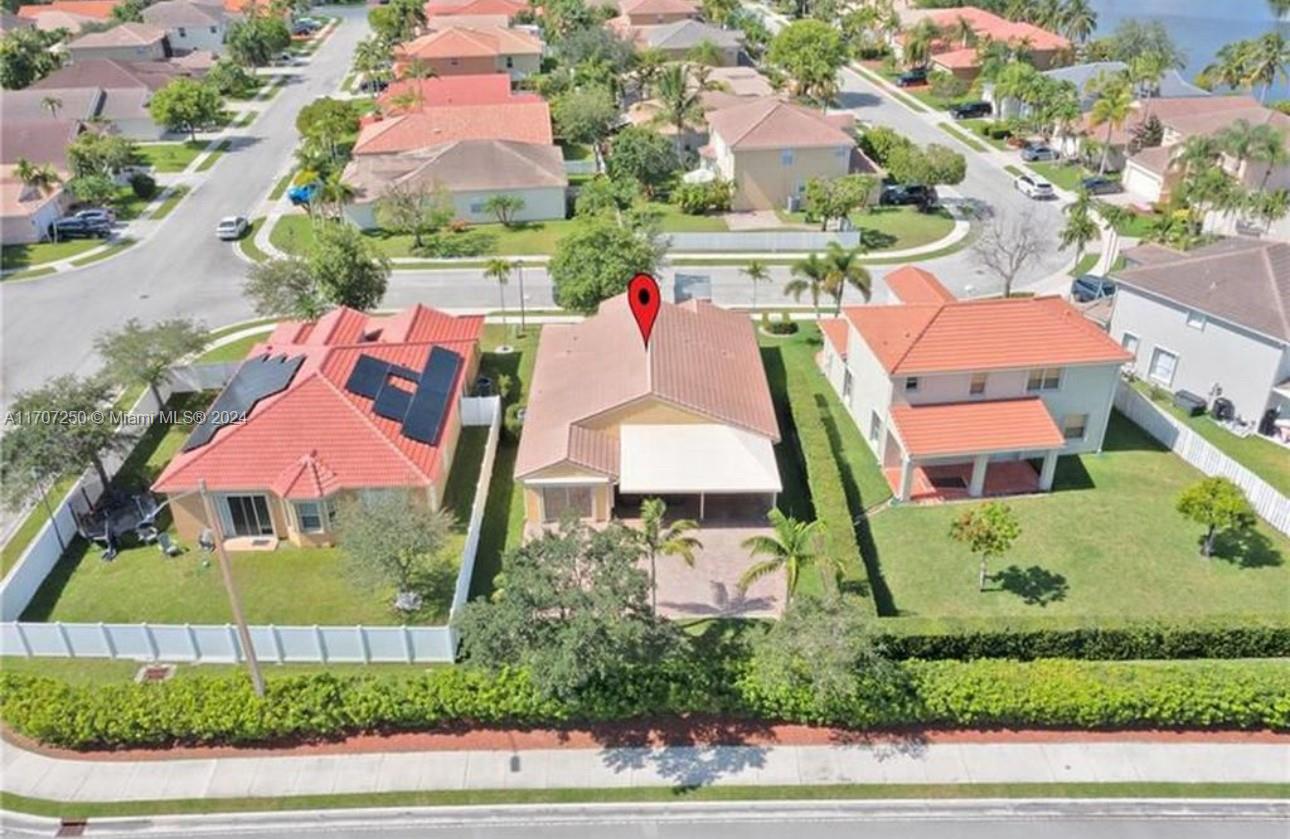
[429, 406]
[256, 379]
[392, 402]
[367, 377]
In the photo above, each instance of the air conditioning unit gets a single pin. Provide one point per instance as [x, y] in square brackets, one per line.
[794, 203]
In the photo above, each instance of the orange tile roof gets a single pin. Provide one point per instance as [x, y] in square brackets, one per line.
[771, 123]
[316, 437]
[973, 335]
[519, 121]
[97, 9]
[702, 359]
[507, 8]
[989, 25]
[468, 42]
[911, 284]
[657, 7]
[835, 332]
[955, 428]
[483, 89]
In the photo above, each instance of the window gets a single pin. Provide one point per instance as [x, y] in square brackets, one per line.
[786, 157]
[842, 151]
[309, 516]
[1074, 426]
[1163, 364]
[1196, 320]
[453, 62]
[212, 30]
[559, 502]
[846, 385]
[182, 33]
[911, 384]
[1044, 378]
[875, 427]
[1130, 342]
[977, 386]
[477, 207]
[510, 62]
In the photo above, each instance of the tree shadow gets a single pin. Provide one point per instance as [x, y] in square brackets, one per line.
[795, 500]
[1035, 585]
[885, 746]
[689, 753]
[1248, 548]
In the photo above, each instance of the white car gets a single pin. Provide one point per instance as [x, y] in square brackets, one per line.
[231, 228]
[1034, 186]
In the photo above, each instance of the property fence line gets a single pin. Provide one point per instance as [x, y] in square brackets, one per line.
[1270, 504]
[580, 167]
[485, 410]
[761, 241]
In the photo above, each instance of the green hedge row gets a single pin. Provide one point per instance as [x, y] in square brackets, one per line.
[1051, 693]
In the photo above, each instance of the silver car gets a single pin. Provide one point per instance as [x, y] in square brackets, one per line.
[231, 228]
[1034, 186]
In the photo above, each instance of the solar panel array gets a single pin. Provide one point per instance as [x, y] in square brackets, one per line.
[257, 378]
[419, 401]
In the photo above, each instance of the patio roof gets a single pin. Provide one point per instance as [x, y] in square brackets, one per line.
[969, 428]
[697, 457]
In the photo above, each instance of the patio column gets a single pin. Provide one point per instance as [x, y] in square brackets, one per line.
[1048, 470]
[979, 465]
[906, 479]
[701, 506]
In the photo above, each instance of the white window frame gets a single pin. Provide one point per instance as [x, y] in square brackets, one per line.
[319, 513]
[875, 427]
[1066, 423]
[1196, 320]
[1137, 344]
[1044, 379]
[1151, 365]
[566, 488]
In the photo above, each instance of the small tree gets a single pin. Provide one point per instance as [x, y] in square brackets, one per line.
[1009, 245]
[255, 40]
[791, 548]
[809, 275]
[141, 355]
[757, 272]
[837, 198]
[643, 155]
[671, 540]
[418, 209]
[595, 261]
[85, 433]
[499, 270]
[348, 268]
[585, 116]
[504, 207]
[389, 538]
[989, 531]
[1220, 506]
[327, 122]
[810, 52]
[186, 105]
[284, 288]
[93, 153]
[93, 189]
[1080, 228]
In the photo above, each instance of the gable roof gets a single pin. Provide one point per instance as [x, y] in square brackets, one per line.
[506, 8]
[96, 9]
[111, 74]
[523, 121]
[172, 13]
[1242, 281]
[55, 19]
[29, 106]
[912, 284]
[741, 81]
[1192, 115]
[464, 165]
[38, 141]
[482, 89]
[836, 332]
[469, 42]
[316, 437]
[771, 123]
[701, 359]
[123, 35]
[657, 7]
[20, 200]
[1171, 85]
[687, 34]
[975, 335]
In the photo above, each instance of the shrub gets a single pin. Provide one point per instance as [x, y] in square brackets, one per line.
[948, 86]
[511, 420]
[784, 326]
[880, 141]
[698, 199]
[143, 185]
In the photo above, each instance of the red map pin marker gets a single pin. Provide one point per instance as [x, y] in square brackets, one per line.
[643, 297]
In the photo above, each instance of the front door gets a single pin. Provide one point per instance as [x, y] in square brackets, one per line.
[247, 515]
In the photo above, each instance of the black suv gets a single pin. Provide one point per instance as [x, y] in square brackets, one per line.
[1089, 287]
[72, 227]
[971, 110]
[900, 195]
[909, 78]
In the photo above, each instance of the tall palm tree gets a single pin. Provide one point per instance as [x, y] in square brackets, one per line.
[1048, 14]
[1230, 67]
[406, 100]
[792, 547]
[418, 68]
[1268, 146]
[659, 540]
[332, 196]
[499, 270]
[679, 101]
[40, 177]
[918, 44]
[1196, 154]
[809, 275]
[1145, 72]
[51, 104]
[646, 65]
[1079, 21]
[1269, 61]
[1113, 105]
[758, 272]
[961, 30]
[844, 269]
[1238, 140]
[1080, 229]
[1268, 207]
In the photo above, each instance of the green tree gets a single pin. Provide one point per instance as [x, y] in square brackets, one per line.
[499, 271]
[811, 53]
[255, 40]
[706, 53]
[1112, 107]
[186, 105]
[142, 355]
[1080, 228]
[230, 78]
[40, 176]
[792, 547]
[602, 196]
[94, 189]
[572, 609]
[504, 207]
[660, 539]
[26, 57]
[94, 153]
[1269, 61]
[1133, 37]
[392, 538]
[347, 267]
[595, 261]
[129, 11]
[284, 288]
[1220, 506]
[931, 166]
[837, 198]
[644, 156]
[917, 51]
[989, 531]
[31, 456]
[328, 122]
[585, 116]
[414, 208]
[845, 271]
[757, 273]
[89, 438]
[1079, 21]
[679, 99]
[809, 275]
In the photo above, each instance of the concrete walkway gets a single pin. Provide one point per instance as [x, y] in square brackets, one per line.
[908, 762]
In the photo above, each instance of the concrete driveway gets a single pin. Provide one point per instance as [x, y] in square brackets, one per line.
[710, 589]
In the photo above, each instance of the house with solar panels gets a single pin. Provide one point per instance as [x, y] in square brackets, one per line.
[349, 403]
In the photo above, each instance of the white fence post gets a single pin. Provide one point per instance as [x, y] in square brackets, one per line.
[322, 646]
[152, 641]
[22, 639]
[107, 640]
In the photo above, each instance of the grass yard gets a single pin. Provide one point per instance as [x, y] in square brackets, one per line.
[1106, 542]
[171, 157]
[978, 126]
[1264, 458]
[1013, 170]
[281, 186]
[16, 257]
[893, 228]
[963, 137]
[1064, 175]
[234, 351]
[575, 151]
[211, 159]
[164, 209]
[247, 244]
[1134, 225]
[110, 250]
[1085, 264]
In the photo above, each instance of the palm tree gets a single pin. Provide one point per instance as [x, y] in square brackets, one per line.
[679, 101]
[1080, 228]
[1238, 140]
[1230, 67]
[961, 30]
[406, 100]
[672, 540]
[1079, 21]
[333, 194]
[1269, 60]
[757, 272]
[52, 104]
[1047, 14]
[918, 44]
[1268, 207]
[809, 274]
[1112, 108]
[646, 66]
[371, 58]
[499, 269]
[418, 68]
[40, 177]
[1197, 153]
[1268, 146]
[1145, 72]
[844, 269]
[793, 546]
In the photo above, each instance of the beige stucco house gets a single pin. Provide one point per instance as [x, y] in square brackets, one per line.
[124, 42]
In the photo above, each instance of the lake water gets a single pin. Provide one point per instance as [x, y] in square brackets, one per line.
[1200, 27]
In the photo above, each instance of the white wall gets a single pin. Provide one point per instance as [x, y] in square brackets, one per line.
[140, 129]
[539, 205]
[871, 389]
[184, 38]
[1246, 365]
[1144, 185]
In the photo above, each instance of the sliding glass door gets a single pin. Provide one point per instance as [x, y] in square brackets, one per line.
[247, 515]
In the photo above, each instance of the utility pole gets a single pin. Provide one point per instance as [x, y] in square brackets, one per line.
[53, 519]
[235, 605]
[519, 267]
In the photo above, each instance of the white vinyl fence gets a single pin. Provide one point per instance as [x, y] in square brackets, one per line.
[762, 241]
[219, 643]
[1271, 505]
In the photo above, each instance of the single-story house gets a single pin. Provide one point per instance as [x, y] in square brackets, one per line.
[111, 74]
[349, 404]
[609, 423]
[958, 397]
[441, 91]
[40, 140]
[522, 121]
[1214, 321]
[27, 210]
[123, 42]
[1045, 49]
[125, 109]
[189, 25]
[678, 39]
[770, 149]
[27, 133]
[471, 172]
[459, 50]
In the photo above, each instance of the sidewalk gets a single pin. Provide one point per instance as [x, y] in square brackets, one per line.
[898, 762]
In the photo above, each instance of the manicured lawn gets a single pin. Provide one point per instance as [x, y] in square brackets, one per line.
[576, 151]
[31, 525]
[247, 243]
[894, 228]
[675, 221]
[1085, 264]
[1013, 170]
[110, 250]
[39, 253]
[1106, 542]
[211, 159]
[1064, 175]
[978, 126]
[234, 351]
[164, 209]
[1264, 458]
[1134, 225]
[963, 137]
[280, 187]
[171, 157]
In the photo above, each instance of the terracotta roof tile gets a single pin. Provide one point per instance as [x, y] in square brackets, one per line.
[464, 165]
[519, 121]
[911, 284]
[466, 42]
[121, 35]
[771, 123]
[954, 428]
[96, 9]
[486, 89]
[836, 332]
[996, 28]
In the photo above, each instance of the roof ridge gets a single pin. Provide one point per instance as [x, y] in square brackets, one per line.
[1271, 279]
[772, 102]
[367, 420]
[940, 309]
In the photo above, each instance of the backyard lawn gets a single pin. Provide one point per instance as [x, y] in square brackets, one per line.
[893, 228]
[171, 157]
[1106, 542]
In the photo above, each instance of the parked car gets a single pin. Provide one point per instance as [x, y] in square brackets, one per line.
[1034, 186]
[901, 195]
[1089, 287]
[301, 195]
[71, 227]
[372, 86]
[971, 110]
[285, 59]
[910, 78]
[96, 215]
[1038, 151]
[231, 228]
[1098, 185]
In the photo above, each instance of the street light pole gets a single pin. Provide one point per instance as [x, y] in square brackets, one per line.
[235, 605]
[519, 267]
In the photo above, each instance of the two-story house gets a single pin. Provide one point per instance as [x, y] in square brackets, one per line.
[463, 50]
[190, 25]
[963, 397]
